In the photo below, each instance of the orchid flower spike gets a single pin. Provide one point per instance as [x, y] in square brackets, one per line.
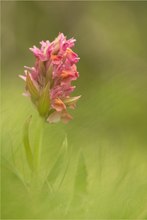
[48, 83]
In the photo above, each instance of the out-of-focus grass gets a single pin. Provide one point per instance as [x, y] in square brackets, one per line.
[106, 151]
[108, 181]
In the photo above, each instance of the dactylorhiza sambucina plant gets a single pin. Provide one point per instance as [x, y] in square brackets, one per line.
[49, 86]
[48, 83]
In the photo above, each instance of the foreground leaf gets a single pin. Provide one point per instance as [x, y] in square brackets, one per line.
[58, 171]
[80, 186]
[26, 142]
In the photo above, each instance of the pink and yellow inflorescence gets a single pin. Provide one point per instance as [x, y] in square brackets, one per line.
[48, 83]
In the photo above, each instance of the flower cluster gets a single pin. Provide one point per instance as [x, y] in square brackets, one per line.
[48, 83]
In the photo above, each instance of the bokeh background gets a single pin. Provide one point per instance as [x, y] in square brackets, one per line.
[107, 140]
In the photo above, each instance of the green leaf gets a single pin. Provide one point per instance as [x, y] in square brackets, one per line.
[79, 198]
[32, 88]
[6, 164]
[80, 186]
[44, 101]
[58, 171]
[26, 142]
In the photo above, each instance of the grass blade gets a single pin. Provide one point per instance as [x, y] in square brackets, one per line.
[80, 186]
[57, 173]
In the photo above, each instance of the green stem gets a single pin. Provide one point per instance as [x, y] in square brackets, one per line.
[33, 158]
[37, 149]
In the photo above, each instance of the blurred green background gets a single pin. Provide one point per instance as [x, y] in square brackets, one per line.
[104, 173]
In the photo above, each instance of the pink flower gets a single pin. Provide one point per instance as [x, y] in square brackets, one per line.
[49, 82]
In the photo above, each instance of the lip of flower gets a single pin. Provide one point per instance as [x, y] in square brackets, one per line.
[71, 56]
[44, 53]
[68, 44]
[56, 59]
[58, 105]
[61, 91]
[68, 76]
[55, 117]
[38, 53]
[65, 117]
[63, 44]
[71, 101]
